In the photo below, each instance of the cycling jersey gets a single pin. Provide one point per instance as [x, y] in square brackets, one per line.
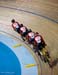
[15, 25]
[38, 39]
[31, 35]
[23, 29]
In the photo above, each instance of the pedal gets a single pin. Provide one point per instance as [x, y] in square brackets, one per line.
[40, 53]
[23, 39]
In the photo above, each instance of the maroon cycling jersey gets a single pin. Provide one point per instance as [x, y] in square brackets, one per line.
[15, 25]
[23, 29]
[31, 35]
[37, 39]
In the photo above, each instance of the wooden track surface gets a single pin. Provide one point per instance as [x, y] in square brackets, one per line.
[45, 26]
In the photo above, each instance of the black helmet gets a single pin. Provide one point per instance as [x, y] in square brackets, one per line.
[29, 30]
[21, 25]
[13, 20]
[37, 33]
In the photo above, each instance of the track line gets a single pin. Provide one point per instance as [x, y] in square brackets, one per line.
[37, 14]
[25, 44]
